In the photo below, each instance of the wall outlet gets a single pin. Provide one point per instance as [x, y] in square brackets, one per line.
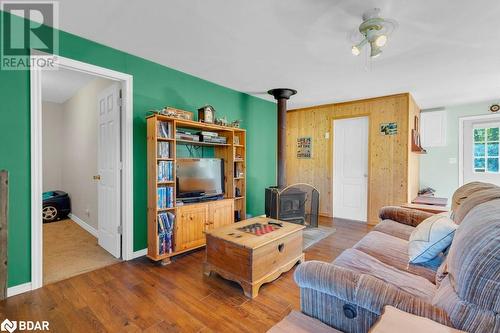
[327, 135]
[87, 212]
[452, 160]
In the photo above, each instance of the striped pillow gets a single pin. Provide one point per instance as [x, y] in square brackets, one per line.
[430, 238]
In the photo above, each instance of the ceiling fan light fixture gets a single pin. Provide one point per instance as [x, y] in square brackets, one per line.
[356, 49]
[381, 40]
[375, 51]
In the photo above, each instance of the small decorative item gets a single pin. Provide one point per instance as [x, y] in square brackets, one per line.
[304, 147]
[206, 114]
[235, 124]
[177, 113]
[236, 140]
[237, 192]
[221, 121]
[389, 128]
[495, 108]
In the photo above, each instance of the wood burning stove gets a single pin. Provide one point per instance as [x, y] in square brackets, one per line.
[297, 203]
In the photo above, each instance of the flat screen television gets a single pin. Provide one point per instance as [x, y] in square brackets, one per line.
[199, 178]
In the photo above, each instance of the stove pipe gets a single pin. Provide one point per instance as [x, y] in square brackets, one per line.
[281, 95]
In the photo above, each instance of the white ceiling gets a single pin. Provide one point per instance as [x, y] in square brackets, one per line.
[58, 86]
[444, 52]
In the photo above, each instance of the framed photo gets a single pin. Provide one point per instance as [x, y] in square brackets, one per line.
[304, 147]
[389, 128]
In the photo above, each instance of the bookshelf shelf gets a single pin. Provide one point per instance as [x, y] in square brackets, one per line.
[201, 143]
[189, 220]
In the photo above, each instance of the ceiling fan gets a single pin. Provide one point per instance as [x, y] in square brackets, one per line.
[375, 31]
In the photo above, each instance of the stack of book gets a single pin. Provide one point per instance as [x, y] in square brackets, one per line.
[165, 197]
[163, 149]
[164, 129]
[165, 171]
[165, 229]
[212, 137]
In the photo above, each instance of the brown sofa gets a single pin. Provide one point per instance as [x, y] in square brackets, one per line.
[460, 290]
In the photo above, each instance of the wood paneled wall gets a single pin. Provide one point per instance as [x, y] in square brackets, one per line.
[393, 169]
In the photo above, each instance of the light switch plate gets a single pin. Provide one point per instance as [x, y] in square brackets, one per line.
[452, 160]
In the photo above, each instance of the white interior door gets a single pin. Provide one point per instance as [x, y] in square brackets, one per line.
[480, 158]
[109, 170]
[350, 168]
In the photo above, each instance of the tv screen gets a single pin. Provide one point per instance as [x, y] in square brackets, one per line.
[199, 177]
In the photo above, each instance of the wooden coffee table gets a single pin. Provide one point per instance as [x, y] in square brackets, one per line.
[253, 260]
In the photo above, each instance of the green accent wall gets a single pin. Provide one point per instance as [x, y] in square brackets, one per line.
[154, 86]
[435, 168]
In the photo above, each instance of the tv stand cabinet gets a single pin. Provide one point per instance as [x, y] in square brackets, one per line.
[192, 220]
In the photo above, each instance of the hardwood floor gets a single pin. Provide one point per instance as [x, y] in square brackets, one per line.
[140, 296]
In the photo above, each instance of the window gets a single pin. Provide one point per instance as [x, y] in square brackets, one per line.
[486, 144]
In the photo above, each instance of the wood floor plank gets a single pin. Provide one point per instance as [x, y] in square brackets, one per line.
[141, 296]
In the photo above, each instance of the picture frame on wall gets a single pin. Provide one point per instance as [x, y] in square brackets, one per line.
[388, 128]
[304, 147]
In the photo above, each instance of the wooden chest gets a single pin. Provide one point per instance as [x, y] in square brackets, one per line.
[252, 260]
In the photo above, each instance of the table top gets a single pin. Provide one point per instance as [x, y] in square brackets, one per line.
[427, 208]
[425, 200]
[230, 233]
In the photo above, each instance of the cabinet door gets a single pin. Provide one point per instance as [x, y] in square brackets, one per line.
[220, 213]
[189, 232]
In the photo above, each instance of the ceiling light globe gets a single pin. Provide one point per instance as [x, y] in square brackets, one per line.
[375, 52]
[355, 50]
[381, 40]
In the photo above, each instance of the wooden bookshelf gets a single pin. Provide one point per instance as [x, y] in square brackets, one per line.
[192, 220]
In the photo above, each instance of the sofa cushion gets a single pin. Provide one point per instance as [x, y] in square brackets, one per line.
[395, 229]
[363, 263]
[394, 251]
[474, 200]
[464, 191]
[473, 261]
[430, 238]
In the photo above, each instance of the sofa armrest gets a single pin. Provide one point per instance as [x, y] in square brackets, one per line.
[411, 217]
[361, 290]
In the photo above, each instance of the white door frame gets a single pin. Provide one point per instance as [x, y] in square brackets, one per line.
[461, 122]
[332, 184]
[36, 158]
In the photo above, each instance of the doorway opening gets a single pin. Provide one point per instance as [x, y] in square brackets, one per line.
[350, 168]
[81, 170]
[479, 141]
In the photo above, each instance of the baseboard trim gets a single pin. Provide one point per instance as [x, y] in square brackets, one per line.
[139, 253]
[83, 224]
[19, 289]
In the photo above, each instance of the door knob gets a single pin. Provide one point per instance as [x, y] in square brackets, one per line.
[97, 177]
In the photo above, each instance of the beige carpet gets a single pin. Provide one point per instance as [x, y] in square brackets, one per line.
[297, 322]
[69, 250]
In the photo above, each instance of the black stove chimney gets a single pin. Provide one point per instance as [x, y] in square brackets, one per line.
[282, 95]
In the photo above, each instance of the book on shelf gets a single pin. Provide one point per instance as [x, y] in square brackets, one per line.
[165, 171]
[165, 230]
[163, 149]
[164, 129]
[165, 195]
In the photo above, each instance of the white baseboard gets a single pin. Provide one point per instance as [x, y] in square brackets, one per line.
[83, 224]
[19, 289]
[139, 253]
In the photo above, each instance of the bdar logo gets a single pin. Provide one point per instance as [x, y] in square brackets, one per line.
[8, 325]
